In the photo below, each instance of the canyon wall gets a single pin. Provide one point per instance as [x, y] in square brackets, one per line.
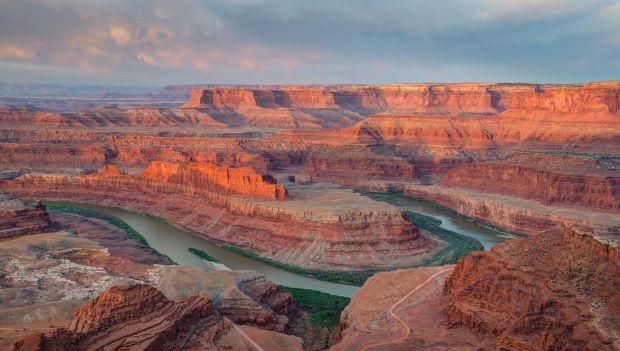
[548, 292]
[208, 176]
[334, 106]
[303, 231]
[514, 214]
[18, 218]
[566, 185]
[557, 290]
[445, 99]
[139, 317]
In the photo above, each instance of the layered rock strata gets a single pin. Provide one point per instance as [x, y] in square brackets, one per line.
[550, 179]
[514, 214]
[553, 291]
[323, 231]
[447, 99]
[18, 218]
[140, 317]
[557, 290]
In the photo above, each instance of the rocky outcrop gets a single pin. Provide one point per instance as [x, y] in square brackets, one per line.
[557, 290]
[333, 230]
[548, 292]
[135, 318]
[402, 310]
[242, 296]
[243, 180]
[447, 99]
[18, 218]
[547, 178]
[139, 317]
[514, 214]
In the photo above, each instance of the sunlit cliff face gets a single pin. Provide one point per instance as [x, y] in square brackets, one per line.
[260, 41]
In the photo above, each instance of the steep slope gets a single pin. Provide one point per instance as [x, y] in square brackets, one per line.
[317, 228]
[553, 291]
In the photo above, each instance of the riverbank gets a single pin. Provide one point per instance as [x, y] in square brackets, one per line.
[129, 231]
[356, 278]
[458, 246]
[489, 235]
[175, 242]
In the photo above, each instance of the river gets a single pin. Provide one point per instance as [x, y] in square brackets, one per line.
[174, 242]
[488, 237]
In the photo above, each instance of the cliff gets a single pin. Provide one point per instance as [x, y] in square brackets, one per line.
[18, 219]
[550, 179]
[524, 216]
[329, 229]
[139, 317]
[557, 290]
[548, 292]
[243, 180]
[445, 99]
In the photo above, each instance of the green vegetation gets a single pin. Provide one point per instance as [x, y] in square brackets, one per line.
[398, 199]
[356, 278]
[458, 245]
[155, 218]
[568, 153]
[324, 309]
[202, 254]
[130, 233]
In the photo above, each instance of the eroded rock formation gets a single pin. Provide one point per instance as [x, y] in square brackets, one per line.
[139, 317]
[553, 291]
[18, 218]
[333, 230]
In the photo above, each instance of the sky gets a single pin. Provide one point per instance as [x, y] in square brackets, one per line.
[161, 42]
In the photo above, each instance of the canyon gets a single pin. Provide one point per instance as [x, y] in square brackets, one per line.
[279, 173]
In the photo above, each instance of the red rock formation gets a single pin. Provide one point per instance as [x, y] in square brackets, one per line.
[206, 175]
[545, 178]
[135, 318]
[514, 214]
[541, 293]
[447, 99]
[304, 232]
[552, 291]
[18, 218]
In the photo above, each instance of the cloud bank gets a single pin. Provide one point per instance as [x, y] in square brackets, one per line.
[157, 42]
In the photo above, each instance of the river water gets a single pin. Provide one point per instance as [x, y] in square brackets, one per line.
[488, 237]
[174, 243]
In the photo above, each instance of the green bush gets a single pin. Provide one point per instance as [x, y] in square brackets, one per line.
[202, 254]
[355, 278]
[459, 245]
[324, 309]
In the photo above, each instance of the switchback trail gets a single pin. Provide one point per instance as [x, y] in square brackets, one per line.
[391, 312]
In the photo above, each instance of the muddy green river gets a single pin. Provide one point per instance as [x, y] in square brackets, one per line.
[174, 243]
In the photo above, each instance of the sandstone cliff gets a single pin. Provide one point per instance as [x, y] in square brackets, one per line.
[18, 218]
[548, 292]
[446, 99]
[548, 178]
[242, 180]
[140, 317]
[517, 215]
[552, 291]
[336, 230]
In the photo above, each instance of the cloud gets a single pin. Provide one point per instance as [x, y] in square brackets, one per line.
[156, 42]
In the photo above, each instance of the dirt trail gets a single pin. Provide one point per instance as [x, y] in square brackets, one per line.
[246, 336]
[391, 312]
